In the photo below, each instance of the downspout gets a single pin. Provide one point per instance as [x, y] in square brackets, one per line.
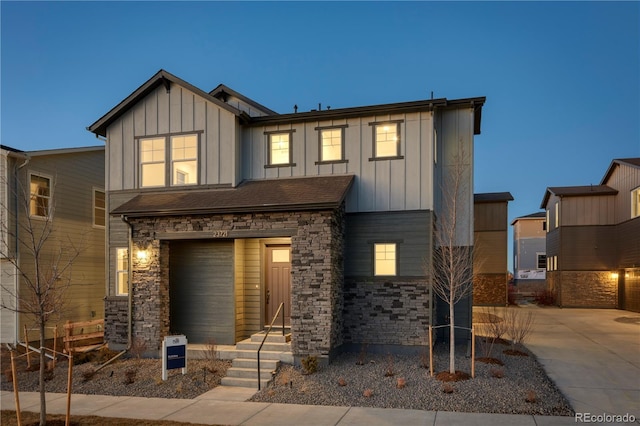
[130, 279]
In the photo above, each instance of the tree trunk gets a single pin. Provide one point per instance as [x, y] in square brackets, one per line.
[43, 400]
[452, 340]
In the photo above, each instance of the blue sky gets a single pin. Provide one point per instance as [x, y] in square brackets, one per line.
[562, 80]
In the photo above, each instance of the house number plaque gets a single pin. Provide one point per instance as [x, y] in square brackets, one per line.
[220, 234]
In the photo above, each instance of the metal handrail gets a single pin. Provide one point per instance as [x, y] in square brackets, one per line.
[281, 307]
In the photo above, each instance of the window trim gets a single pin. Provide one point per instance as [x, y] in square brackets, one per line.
[635, 202]
[374, 265]
[557, 213]
[538, 254]
[321, 129]
[168, 158]
[271, 133]
[118, 271]
[49, 178]
[94, 224]
[374, 125]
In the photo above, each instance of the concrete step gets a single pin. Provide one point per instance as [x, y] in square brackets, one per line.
[249, 373]
[275, 336]
[268, 346]
[244, 383]
[265, 364]
[286, 357]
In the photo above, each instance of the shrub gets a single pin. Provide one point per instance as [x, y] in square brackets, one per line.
[310, 364]
[389, 370]
[531, 397]
[362, 355]
[342, 382]
[368, 393]
[497, 373]
[401, 383]
[545, 298]
[130, 376]
[448, 388]
[519, 324]
[138, 347]
[211, 355]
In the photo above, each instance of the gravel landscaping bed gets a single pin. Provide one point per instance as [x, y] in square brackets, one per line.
[524, 388]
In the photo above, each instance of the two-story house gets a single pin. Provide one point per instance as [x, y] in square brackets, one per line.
[490, 256]
[62, 191]
[530, 253]
[222, 209]
[593, 240]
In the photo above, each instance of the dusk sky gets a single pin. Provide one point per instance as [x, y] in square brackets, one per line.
[562, 80]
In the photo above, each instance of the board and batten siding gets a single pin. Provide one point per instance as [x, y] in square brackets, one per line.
[382, 185]
[72, 220]
[625, 179]
[179, 111]
[587, 210]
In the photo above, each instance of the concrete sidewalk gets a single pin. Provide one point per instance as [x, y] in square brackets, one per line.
[593, 355]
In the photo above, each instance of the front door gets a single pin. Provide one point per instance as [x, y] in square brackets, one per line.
[278, 283]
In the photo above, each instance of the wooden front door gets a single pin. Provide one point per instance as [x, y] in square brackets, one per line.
[277, 283]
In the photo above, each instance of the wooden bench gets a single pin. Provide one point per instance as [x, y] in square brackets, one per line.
[83, 336]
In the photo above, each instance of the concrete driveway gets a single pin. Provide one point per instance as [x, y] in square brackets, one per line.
[593, 356]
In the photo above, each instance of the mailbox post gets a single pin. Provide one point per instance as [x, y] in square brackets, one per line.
[174, 354]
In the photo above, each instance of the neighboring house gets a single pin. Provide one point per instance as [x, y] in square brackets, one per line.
[490, 271]
[65, 186]
[593, 240]
[530, 253]
[221, 209]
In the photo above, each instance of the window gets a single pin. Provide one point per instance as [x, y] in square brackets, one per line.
[184, 160]
[386, 140]
[179, 162]
[384, 259]
[279, 152]
[548, 220]
[635, 202]
[542, 260]
[557, 215]
[122, 271]
[40, 196]
[331, 145]
[99, 208]
[152, 162]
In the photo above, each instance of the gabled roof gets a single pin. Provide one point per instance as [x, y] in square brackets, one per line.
[492, 197]
[162, 77]
[221, 91]
[532, 216]
[630, 162]
[576, 191]
[289, 194]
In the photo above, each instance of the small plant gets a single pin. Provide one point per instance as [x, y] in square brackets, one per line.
[342, 382]
[497, 373]
[424, 357]
[448, 388]
[88, 375]
[389, 366]
[179, 387]
[158, 380]
[531, 397]
[519, 324]
[545, 298]
[362, 355]
[130, 376]
[401, 383]
[211, 355]
[368, 393]
[138, 347]
[310, 364]
[284, 379]
[8, 374]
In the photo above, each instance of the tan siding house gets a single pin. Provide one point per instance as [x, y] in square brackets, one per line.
[593, 240]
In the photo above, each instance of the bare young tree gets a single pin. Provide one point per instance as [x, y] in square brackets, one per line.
[452, 261]
[42, 261]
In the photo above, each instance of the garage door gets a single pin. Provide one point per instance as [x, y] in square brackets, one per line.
[201, 299]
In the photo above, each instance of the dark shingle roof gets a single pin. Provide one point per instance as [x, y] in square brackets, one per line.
[632, 162]
[309, 193]
[492, 197]
[577, 191]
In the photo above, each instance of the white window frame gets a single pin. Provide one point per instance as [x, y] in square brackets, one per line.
[122, 269]
[383, 256]
[33, 197]
[96, 208]
[538, 254]
[635, 202]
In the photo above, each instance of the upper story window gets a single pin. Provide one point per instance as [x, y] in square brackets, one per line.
[557, 218]
[169, 160]
[635, 202]
[279, 148]
[331, 144]
[384, 263]
[39, 196]
[386, 140]
[99, 208]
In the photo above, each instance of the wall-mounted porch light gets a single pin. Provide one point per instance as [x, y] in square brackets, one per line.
[142, 255]
[614, 275]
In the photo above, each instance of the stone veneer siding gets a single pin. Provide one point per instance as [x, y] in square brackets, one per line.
[317, 271]
[490, 290]
[584, 289]
[385, 312]
[116, 313]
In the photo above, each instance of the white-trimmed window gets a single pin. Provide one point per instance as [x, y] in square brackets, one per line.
[385, 256]
[386, 140]
[542, 260]
[635, 202]
[99, 208]
[331, 144]
[39, 195]
[122, 271]
[169, 160]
